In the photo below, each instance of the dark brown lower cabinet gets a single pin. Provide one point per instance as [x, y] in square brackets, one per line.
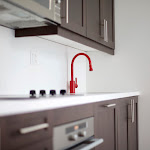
[122, 121]
[133, 125]
[19, 131]
[116, 121]
[42, 145]
[105, 124]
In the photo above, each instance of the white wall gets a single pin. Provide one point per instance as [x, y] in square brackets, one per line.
[18, 75]
[129, 69]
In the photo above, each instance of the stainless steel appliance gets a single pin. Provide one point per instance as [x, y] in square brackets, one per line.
[76, 136]
[29, 13]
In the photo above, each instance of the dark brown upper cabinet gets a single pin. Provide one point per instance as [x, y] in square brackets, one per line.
[74, 16]
[116, 121]
[100, 21]
[89, 23]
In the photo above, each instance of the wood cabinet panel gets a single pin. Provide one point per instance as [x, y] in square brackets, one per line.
[105, 125]
[107, 13]
[133, 127]
[82, 21]
[42, 145]
[114, 123]
[127, 130]
[66, 115]
[13, 137]
[122, 124]
[99, 11]
[93, 20]
[74, 16]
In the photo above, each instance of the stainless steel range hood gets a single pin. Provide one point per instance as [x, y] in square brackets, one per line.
[28, 13]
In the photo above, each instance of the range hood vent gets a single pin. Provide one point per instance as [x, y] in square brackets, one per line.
[14, 17]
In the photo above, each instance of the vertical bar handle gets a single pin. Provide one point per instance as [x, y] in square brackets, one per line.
[50, 4]
[67, 11]
[132, 110]
[105, 30]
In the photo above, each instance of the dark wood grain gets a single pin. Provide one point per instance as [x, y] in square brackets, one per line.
[133, 128]
[13, 139]
[74, 113]
[46, 30]
[85, 41]
[85, 24]
[112, 124]
[76, 16]
[41, 145]
[105, 125]
[97, 11]
[122, 124]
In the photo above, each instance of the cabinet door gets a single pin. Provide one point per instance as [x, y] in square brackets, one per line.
[127, 124]
[105, 125]
[74, 16]
[100, 25]
[122, 123]
[133, 125]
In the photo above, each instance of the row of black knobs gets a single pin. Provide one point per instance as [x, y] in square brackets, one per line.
[43, 92]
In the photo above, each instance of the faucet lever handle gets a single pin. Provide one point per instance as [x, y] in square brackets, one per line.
[76, 84]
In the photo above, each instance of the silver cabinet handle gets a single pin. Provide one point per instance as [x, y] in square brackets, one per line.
[110, 105]
[105, 30]
[50, 4]
[67, 11]
[34, 128]
[132, 110]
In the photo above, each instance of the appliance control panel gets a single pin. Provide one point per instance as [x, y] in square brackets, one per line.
[68, 135]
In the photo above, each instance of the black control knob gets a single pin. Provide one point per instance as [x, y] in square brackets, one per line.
[52, 92]
[62, 92]
[32, 93]
[42, 92]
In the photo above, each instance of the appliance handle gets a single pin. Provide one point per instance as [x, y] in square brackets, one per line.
[90, 144]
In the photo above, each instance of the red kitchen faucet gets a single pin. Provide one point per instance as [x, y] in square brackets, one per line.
[73, 84]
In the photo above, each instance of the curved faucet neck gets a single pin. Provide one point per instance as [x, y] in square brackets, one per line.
[72, 63]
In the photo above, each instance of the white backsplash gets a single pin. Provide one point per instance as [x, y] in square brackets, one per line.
[49, 70]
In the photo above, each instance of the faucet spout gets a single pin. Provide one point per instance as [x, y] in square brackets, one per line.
[74, 84]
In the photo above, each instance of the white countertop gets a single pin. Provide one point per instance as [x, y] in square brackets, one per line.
[19, 106]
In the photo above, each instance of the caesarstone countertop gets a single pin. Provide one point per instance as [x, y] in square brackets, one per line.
[19, 106]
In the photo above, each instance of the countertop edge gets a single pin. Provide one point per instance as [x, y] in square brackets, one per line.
[8, 108]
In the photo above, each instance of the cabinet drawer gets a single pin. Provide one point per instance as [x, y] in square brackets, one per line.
[46, 145]
[21, 130]
[69, 114]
